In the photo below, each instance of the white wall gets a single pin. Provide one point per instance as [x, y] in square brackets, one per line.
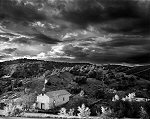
[44, 99]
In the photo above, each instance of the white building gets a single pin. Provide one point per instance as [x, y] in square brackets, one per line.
[52, 99]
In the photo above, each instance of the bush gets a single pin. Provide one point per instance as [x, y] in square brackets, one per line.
[118, 108]
[12, 110]
[106, 113]
[71, 112]
[63, 112]
[91, 74]
[146, 106]
[99, 94]
[75, 103]
[143, 114]
[84, 111]
[132, 109]
[17, 112]
[73, 88]
[80, 80]
[125, 109]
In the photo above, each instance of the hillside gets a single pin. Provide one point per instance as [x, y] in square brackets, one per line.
[25, 68]
[23, 73]
[14, 74]
[98, 83]
[140, 71]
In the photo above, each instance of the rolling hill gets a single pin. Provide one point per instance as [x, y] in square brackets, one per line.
[17, 75]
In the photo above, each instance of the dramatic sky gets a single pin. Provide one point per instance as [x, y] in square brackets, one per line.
[96, 31]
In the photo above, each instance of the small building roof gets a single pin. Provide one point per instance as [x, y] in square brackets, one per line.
[57, 93]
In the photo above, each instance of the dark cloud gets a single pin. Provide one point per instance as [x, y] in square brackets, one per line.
[125, 22]
[8, 34]
[130, 58]
[124, 41]
[4, 39]
[9, 50]
[108, 57]
[4, 56]
[74, 51]
[9, 9]
[36, 38]
[22, 41]
[123, 49]
[45, 39]
[85, 12]
[142, 58]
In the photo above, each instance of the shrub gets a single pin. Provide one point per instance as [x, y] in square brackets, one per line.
[125, 109]
[17, 112]
[146, 106]
[73, 88]
[106, 113]
[99, 94]
[80, 80]
[91, 74]
[71, 112]
[143, 114]
[132, 109]
[12, 110]
[63, 112]
[118, 107]
[84, 111]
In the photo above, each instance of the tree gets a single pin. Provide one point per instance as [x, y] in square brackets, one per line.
[29, 100]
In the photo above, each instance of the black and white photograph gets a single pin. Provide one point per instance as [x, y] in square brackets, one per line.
[74, 59]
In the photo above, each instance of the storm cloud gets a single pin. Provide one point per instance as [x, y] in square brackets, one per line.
[9, 50]
[127, 15]
[9, 9]
[97, 31]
